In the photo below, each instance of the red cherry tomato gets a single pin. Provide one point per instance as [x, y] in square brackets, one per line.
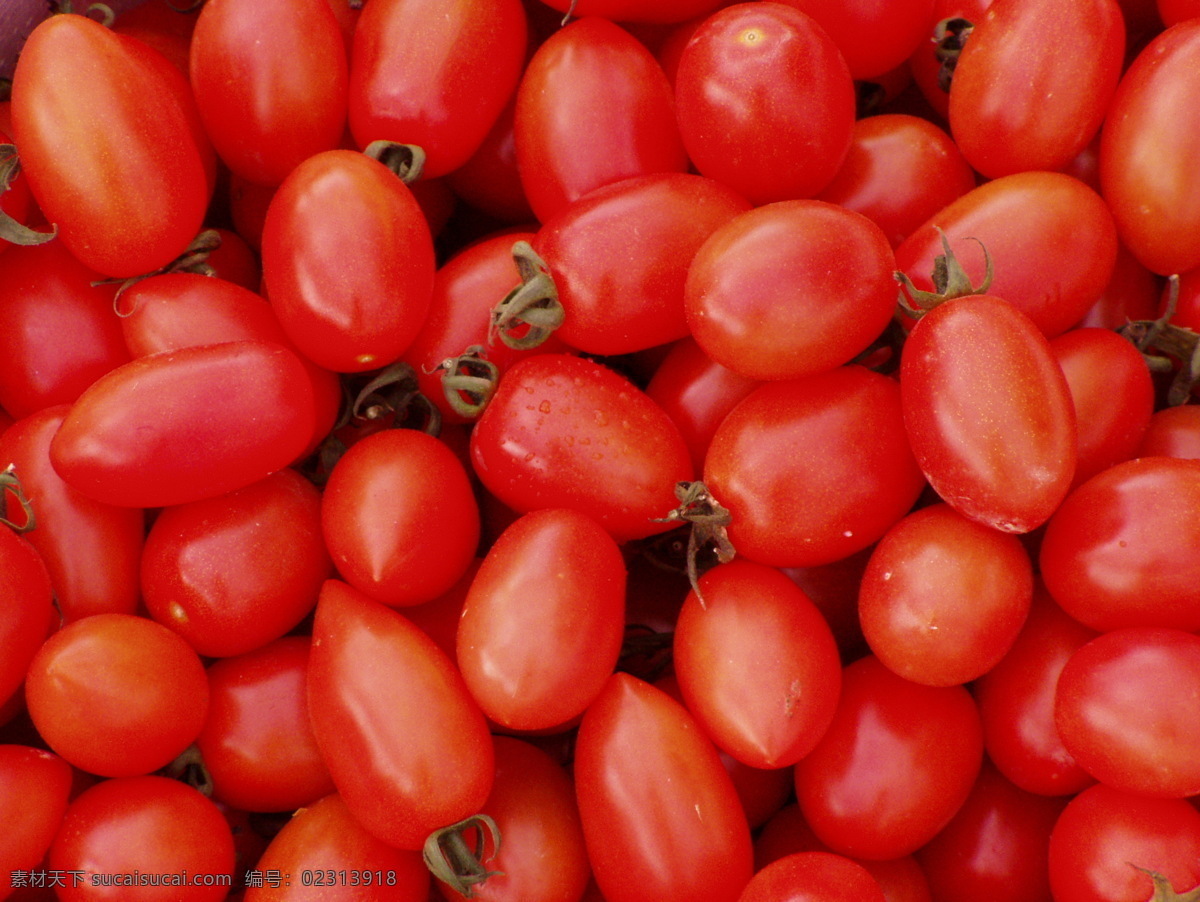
[988, 412]
[406, 745]
[90, 698]
[765, 102]
[36, 783]
[399, 517]
[660, 816]
[874, 38]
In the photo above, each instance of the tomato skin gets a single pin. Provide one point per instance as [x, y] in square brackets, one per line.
[553, 579]
[399, 517]
[593, 107]
[660, 816]
[269, 104]
[89, 697]
[36, 783]
[765, 102]
[899, 171]
[1016, 702]
[874, 38]
[1146, 151]
[257, 742]
[767, 293]
[347, 306]
[943, 597]
[91, 550]
[231, 573]
[1104, 835]
[1051, 239]
[406, 745]
[881, 782]
[48, 292]
[813, 877]
[434, 74]
[856, 478]
[1125, 702]
[135, 195]
[1108, 557]
[542, 855]
[146, 825]
[995, 847]
[667, 11]
[623, 294]
[525, 447]
[325, 838]
[25, 622]
[1019, 102]
[1172, 432]
[988, 412]
[175, 427]
[755, 620]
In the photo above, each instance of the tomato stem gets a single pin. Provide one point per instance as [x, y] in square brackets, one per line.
[469, 381]
[452, 861]
[949, 278]
[534, 303]
[10, 484]
[407, 161]
[709, 519]
[194, 260]
[190, 768]
[1179, 347]
[10, 230]
[1164, 892]
[950, 36]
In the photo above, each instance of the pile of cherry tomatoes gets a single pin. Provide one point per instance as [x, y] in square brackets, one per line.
[557, 451]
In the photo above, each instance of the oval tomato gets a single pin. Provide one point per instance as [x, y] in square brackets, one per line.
[813, 877]
[347, 305]
[755, 621]
[188, 424]
[434, 74]
[90, 698]
[406, 745]
[988, 412]
[569, 433]
[26, 620]
[133, 193]
[1019, 102]
[661, 819]
[553, 579]
[399, 517]
[765, 102]
[855, 478]
[36, 783]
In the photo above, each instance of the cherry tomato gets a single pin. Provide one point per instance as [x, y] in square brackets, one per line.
[185, 425]
[1019, 102]
[1108, 556]
[765, 102]
[593, 108]
[347, 305]
[988, 412]
[1104, 836]
[894, 767]
[943, 597]
[1051, 239]
[91, 695]
[1016, 702]
[434, 74]
[1146, 149]
[660, 816]
[270, 83]
[553, 579]
[620, 292]
[35, 783]
[231, 573]
[25, 621]
[256, 742]
[566, 432]
[768, 294]
[120, 832]
[91, 550]
[855, 478]
[399, 517]
[899, 171]
[321, 846]
[406, 745]
[132, 195]
[1172, 432]
[874, 38]
[813, 877]
[753, 620]
[1124, 705]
